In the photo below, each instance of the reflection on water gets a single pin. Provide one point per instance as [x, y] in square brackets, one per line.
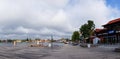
[26, 44]
[6, 44]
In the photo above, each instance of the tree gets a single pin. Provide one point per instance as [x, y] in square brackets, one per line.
[87, 29]
[91, 27]
[75, 36]
[9, 40]
[84, 30]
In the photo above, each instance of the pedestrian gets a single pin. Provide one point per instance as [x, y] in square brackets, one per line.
[96, 40]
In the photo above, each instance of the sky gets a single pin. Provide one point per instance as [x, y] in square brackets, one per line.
[20, 19]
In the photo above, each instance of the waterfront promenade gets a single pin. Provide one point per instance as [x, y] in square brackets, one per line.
[65, 52]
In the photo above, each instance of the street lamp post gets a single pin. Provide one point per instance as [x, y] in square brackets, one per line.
[51, 41]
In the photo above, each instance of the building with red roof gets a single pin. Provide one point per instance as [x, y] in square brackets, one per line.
[110, 33]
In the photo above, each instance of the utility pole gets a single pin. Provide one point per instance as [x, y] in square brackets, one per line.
[51, 41]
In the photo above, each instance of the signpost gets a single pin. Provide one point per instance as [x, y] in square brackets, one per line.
[51, 43]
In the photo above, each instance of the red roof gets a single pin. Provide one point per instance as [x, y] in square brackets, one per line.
[98, 30]
[114, 21]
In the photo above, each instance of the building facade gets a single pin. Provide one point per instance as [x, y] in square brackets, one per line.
[110, 34]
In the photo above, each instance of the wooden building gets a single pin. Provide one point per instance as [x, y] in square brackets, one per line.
[110, 34]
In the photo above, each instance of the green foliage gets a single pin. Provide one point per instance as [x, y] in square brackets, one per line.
[67, 39]
[75, 36]
[27, 39]
[84, 30]
[24, 40]
[87, 29]
[91, 27]
[9, 40]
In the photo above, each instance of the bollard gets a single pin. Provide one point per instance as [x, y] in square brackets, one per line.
[49, 45]
[88, 45]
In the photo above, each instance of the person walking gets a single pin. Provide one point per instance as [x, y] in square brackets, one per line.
[96, 40]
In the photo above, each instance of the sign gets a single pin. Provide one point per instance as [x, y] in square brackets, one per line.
[111, 32]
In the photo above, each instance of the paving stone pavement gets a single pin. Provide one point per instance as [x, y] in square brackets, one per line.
[66, 52]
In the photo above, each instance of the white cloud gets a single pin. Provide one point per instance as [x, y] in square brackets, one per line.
[42, 18]
[22, 29]
[84, 10]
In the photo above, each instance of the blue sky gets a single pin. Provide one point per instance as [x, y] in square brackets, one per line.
[114, 3]
[20, 19]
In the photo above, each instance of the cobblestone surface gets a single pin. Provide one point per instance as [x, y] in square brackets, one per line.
[66, 52]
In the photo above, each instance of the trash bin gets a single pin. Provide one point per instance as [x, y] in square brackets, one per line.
[88, 45]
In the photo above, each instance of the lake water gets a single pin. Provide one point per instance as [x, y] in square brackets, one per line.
[26, 44]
